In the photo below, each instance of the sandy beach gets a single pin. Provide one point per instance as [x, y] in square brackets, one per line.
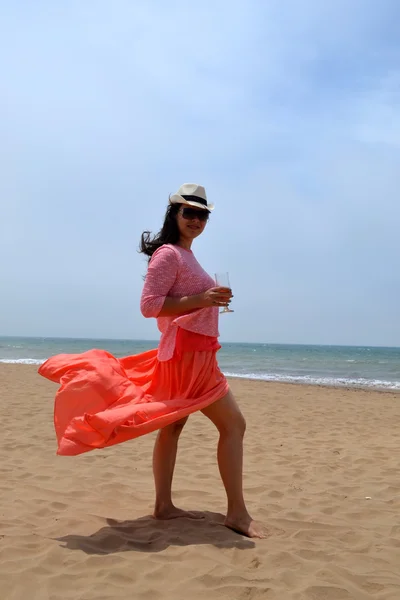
[321, 471]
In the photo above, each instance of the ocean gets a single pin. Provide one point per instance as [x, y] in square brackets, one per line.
[358, 366]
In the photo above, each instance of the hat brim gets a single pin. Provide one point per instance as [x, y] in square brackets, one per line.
[177, 199]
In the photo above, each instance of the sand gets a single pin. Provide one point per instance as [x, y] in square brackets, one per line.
[321, 471]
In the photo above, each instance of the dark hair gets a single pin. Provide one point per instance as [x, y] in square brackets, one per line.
[169, 233]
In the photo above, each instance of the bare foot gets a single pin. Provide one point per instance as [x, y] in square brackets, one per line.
[246, 526]
[171, 512]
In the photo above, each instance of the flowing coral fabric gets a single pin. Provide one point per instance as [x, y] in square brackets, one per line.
[103, 400]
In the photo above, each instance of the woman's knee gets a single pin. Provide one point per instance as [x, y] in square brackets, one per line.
[226, 416]
[236, 425]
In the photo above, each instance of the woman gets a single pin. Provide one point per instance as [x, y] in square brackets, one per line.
[103, 401]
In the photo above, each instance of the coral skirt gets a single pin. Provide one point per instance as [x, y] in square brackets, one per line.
[103, 400]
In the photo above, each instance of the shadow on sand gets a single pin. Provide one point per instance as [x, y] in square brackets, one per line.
[149, 535]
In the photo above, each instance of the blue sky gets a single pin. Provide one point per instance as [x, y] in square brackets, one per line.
[289, 114]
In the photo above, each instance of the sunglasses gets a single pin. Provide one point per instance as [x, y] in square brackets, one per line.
[195, 213]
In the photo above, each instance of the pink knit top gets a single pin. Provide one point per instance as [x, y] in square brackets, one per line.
[174, 271]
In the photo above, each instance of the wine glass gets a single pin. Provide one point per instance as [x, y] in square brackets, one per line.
[222, 280]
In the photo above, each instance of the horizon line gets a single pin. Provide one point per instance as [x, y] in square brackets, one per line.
[105, 339]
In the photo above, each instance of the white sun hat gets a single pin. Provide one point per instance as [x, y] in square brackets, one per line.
[191, 194]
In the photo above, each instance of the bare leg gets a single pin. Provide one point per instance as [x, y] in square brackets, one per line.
[226, 416]
[164, 458]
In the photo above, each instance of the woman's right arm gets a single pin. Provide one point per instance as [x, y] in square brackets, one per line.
[161, 275]
[216, 296]
[180, 306]
[160, 278]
